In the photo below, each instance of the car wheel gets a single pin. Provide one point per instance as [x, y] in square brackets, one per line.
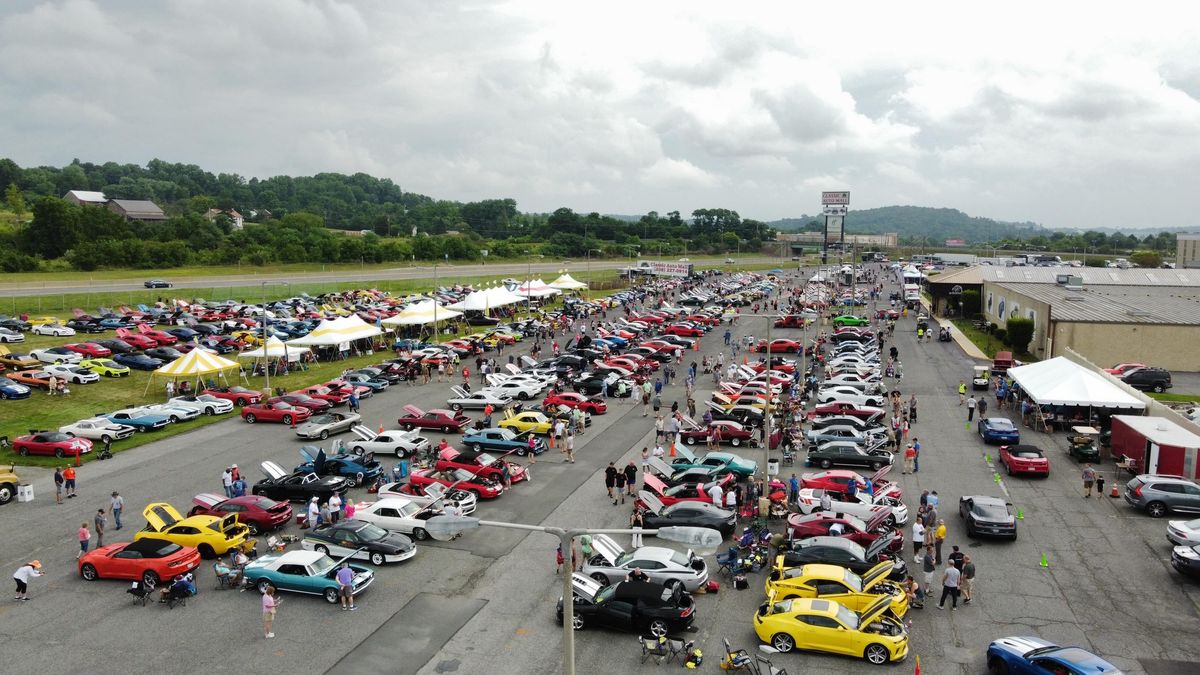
[576, 621]
[1008, 468]
[206, 551]
[876, 654]
[58, 452]
[377, 559]
[106, 438]
[600, 578]
[735, 442]
[446, 430]
[875, 466]
[250, 419]
[1156, 509]
[783, 642]
[997, 666]
[3, 395]
[671, 583]
[477, 447]
[324, 434]
[210, 411]
[149, 579]
[825, 463]
[658, 628]
[174, 419]
[321, 548]
[690, 440]
[88, 572]
[1158, 389]
[356, 479]
[287, 420]
[522, 451]
[251, 529]
[7, 490]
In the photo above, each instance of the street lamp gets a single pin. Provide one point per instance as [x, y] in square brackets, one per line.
[266, 320]
[529, 281]
[589, 265]
[444, 528]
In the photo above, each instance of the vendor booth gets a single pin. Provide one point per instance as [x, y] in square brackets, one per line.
[1155, 445]
[1067, 393]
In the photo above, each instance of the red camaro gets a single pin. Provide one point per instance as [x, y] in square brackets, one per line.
[836, 480]
[361, 391]
[239, 395]
[446, 421]
[832, 524]
[593, 405]
[702, 319]
[161, 338]
[481, 464]
[461, 479]
[852, 409]
[149, 560]
[683, 330]
[137, 340]
[51, 443]
[90, 350]
[780, 346]
[324, 393]
[254, 511]
[302, 401]
[275, 412]
[685, 492]
[1024, 459]
[646, 318]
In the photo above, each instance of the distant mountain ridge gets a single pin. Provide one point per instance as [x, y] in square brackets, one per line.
[914, 223]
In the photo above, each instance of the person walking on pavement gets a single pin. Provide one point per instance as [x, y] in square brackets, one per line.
[69, 481]
[85, 538]
[610, 479]
[620, 486]
[227, 482]
[966, 584]
[100, 521]
[950, 580]
[571, 447]
[353, 402]
[916, 444]
[981, 407]
[270, 604]
[1089, 477]
[116, 506]
[971, 403]
[631, 476]
[58, 484]
[962, 392]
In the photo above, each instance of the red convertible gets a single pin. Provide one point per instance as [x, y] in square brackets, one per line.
[51, 443]
[275, 412]
[148, 560]
[481, 464]
[853, 409]
[780, 346]
[702, 319]
[361, 391]
[254, 511]
[161, 338]
[593, 405]
[683, 330]
[324, 393]
[836, 480]
[461, 479]
[686, 492]
[301, 401]
[90, 349]
[832, 524]
[239, 395]
[727, 432]
[446, 421]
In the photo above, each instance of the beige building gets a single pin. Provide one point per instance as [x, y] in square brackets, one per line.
[885, 240]
[1187, 250]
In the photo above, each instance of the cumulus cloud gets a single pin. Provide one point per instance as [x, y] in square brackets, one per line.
[627, 107]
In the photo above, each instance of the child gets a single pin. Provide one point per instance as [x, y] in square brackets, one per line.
[558, 558]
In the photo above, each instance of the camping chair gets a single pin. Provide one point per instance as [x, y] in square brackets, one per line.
[655, 646]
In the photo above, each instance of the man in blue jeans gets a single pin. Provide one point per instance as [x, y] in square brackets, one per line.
[916, 443]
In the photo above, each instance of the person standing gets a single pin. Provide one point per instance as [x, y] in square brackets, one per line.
[571, 447]
[939, 538]
[916, 444]
[826, 501]
[910, 458]
[610, 479]
[314, 513]
[170, 388]
[971, 403]
[116, 506]
[85, 538]
[659, 451]
[962, 392]
[227, 482]
[966, 584]
[1089, 477]
[100, 522]
[645, 458]
[270, 604]
[353, 401]
[716, 494]
[631, 476]
[928, 566]
[69, 481]
[950, 581]
[58, 484]
[335, 508]
[23, 575]
[345, 579]
[794, 488]
[918, 536]
[620, 487]
[636, 523]
[982, 407]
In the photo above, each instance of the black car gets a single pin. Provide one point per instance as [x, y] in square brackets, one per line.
[844, 553]
[297, 487]
[86, 326]
[16, 324]
[750, 418]
[380, 374]
[138, 361]
[184, 334]
[646, 352]
[987, 516]
[686, 514]
[1186, 560]
[839, 453]
[593, 385]
[588, 355]
[631, 606]
[117, 346]
[685, 343]
[1148, 379]
[206, 329]
[359, 539]
[157, 283]
[165, 354]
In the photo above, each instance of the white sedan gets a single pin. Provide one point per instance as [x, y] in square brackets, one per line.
[398, 514]
[53, 329]
[205, 404]
[391, 441]
[98, 429]
[9, 335]
[173, 412]
[435, 493]
[73, 374]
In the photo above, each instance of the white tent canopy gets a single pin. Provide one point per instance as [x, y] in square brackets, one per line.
[566, 282]
[488, 298]
[1061, 381]
[274, 349]
[421, 313]
[536, 289]
[338, 331]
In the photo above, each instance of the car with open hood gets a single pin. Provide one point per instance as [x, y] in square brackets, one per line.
[16, 360]
[204, 404]
[722, 462]
[589, 404]
[433, 495]
[210, 535]
[685, 514]
[139, 418]
[481, 487]
[399, 514]
[297, 487]
[309, 572]
[324, 425]
[611, 563]
[835, 524]
[987, 516]
[823, 625]
[848, 394]
[148, 559]
[727, 432]
[693, 491]
[503, 441]
[630, 606]
[356, 469]
[358, 539]
[863, 505]
[840, 551]
[461, 399]
[446, 421]
[258, 514]
[387, 442]
[833, 582]
[98, 429]
[56, 355]
[482, 464]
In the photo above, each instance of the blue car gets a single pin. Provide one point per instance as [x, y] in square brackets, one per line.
[999, 430]
[310, 572]
[137, 361]
[409, 345]
[114, 322]
[10, 389]
[503, 441]
[1034, 656]
[142, 420]
[357, 469]
[184, 334]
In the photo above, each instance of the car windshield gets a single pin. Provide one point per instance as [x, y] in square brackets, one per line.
[485, 459]
[847, 618]
[4, 382]
[852, 581]
[107, 364]
[463, 475]
[371, 532]
[994, 511]
[322, 565]
[323, 419]
[1000, 424]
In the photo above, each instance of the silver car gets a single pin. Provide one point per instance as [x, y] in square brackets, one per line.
[326, 424]
[611, 563]
[1157, 494]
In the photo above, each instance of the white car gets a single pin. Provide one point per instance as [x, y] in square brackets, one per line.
[465, 400]
[205, 404]
[865, 383]
[860, 505]
[9, 335]
[98, 429]
[435, 493]
[516, 387]
[54, 329]
[64, 356]
[175, 413]
[611, 563]
[73, 374]
[398, 514]
[1184, 532]
[391, 441]
[847, 394]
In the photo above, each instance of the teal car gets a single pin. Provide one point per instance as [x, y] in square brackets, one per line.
[309, 572]
[720, 462]
[850, 320]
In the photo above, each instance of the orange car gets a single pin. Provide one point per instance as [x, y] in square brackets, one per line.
[32, 378]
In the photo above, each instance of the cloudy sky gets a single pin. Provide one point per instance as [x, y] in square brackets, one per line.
[1068, 117]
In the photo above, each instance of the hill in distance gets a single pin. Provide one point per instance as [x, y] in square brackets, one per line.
[916, 222]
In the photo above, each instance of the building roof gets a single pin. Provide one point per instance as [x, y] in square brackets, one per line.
[138, 208]
[1090, 275]
[87, 196]
[959, 276]
[1178, 305]
[1161, 430]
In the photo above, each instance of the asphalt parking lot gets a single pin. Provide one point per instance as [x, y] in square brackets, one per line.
[485, 602]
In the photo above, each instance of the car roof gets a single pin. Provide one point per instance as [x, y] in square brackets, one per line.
[300, 557]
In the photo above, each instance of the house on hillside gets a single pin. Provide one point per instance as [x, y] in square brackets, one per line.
[86, 198]
[235, 217]
[136, 209]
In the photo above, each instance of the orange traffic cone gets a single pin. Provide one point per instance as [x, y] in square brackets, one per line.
[381, 428]
[696, 346]
[672, 448]
[1114, 493]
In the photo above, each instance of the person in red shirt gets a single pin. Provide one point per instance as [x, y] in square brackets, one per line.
[910, 458]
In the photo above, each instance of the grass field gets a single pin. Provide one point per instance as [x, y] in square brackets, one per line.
[989, 344]
[1174, 398]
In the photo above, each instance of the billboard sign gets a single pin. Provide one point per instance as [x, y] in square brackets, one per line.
[833, 229]
[835, 199]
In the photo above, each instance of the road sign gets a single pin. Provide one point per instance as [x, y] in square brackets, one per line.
[835, 199]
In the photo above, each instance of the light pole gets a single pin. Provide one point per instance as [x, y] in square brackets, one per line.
[589, 267]
[266, 320]
[445, 528]
[529, 281]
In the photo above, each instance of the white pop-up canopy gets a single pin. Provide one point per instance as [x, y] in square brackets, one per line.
[337, 331]
[421, 313]
[536, 289]
[566, 282]
[1061, 381]
[274, 349]
[488, 298]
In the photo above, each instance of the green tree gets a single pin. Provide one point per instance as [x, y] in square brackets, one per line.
[1019, 333]
[15, 200]
[1146, 258]
[54, 230]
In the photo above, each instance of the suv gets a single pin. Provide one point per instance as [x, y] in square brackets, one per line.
[1157, 494]
[1148, 379]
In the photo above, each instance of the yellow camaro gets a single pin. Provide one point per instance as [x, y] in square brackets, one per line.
[821, 625]
[536, 422]
[105, 367]
[211, 535]
[839, 584]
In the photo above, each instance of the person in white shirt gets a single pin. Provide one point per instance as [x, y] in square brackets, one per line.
[22, 576]
[335, 508]
[826, 501]
[918, 538]
[314, 512]
[716, 494]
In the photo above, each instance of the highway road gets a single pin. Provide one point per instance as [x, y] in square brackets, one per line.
[516, 270]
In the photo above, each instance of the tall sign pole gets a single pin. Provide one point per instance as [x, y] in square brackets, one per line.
[835, 205]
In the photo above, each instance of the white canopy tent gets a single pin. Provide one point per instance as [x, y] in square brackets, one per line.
[274, 349]
[486, 299]
[421, 313]
[565, 282]
[1061, 381]
[337, 331]
[536, 289]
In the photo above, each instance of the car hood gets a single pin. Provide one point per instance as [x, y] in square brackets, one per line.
[607, 547]
[161, 515]
[875, 610]
[877, 574]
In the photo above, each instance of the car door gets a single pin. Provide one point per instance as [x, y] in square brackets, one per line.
[617, 614]
[125, 565]
[1190, 499]
[657, 571]
[184, 535]
[292, 578]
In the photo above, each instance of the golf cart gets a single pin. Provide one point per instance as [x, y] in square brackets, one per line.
[981, 378]
[1084, 444]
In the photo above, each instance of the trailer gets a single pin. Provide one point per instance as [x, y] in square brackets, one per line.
[1156, 445]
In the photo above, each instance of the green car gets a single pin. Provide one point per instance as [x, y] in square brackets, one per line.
[850, 320]
[105, 367]
[722, 462]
